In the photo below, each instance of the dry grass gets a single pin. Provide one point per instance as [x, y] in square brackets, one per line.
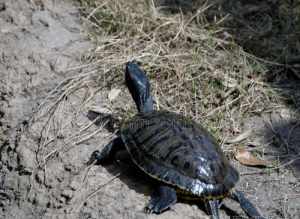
[194, 65]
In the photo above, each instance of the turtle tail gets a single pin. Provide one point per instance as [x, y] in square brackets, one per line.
[139, 87]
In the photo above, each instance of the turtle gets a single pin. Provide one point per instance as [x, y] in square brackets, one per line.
[178, 153]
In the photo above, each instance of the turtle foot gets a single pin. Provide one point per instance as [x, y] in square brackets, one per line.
[161, 199]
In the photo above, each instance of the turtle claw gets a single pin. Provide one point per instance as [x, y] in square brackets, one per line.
[148, 210]
[156, 207]
[162, 199]
[107, 153]
[153, 208]
[96, 156]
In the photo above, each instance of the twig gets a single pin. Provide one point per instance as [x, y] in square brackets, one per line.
[267, 170]
[222, 107]
[92, 194]
[240, 137]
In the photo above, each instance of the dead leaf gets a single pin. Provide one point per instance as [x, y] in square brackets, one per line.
[246, 158]
[113, 94]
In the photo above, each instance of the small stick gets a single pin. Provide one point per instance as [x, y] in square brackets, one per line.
[273, 168]
[97, 190]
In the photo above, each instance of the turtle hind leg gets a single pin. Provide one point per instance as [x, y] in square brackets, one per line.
[162, 198]
[107, 153]
[214, 208]
[245, 204]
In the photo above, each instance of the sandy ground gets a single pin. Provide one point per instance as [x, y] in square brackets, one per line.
[44, 145]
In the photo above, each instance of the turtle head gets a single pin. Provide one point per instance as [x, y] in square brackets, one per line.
[139, 87]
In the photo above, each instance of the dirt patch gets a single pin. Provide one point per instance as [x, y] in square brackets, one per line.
[46, 134]
[39, 42]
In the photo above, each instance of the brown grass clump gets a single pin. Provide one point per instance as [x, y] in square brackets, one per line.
[195, 68]
[194, 65]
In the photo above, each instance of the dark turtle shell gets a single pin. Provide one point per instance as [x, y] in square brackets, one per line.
[178, 151]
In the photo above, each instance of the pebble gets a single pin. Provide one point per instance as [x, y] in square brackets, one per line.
[40, 176]
[67, 193]
[74, 185]
[2, 6]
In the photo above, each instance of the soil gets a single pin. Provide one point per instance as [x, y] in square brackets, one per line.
[44, 145]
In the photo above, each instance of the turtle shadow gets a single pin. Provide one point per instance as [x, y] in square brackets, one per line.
[141, 183]
[129, 173]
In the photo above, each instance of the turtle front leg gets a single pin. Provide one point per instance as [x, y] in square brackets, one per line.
[162, 198]
[245, 204]
[107, 152]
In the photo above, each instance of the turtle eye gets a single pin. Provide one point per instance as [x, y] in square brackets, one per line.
[186, 165]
